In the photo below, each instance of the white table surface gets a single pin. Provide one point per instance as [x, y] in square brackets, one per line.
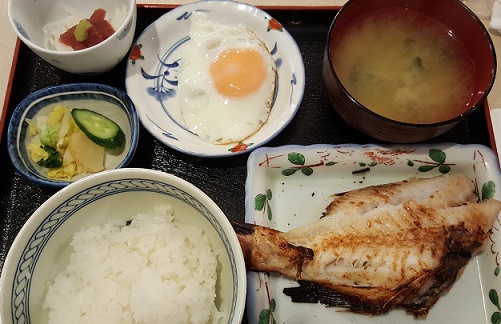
[8, 43]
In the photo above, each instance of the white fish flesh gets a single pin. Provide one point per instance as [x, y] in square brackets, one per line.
[395, 245]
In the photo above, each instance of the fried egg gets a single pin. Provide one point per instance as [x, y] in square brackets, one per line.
[226, 83]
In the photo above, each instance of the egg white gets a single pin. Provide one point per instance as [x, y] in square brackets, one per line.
[214, 117]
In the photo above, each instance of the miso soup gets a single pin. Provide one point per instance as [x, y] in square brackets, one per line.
[405, 66]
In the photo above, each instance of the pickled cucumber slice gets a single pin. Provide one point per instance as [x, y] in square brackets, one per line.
[98, 128]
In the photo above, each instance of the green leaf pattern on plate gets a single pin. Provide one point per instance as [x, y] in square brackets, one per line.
[438, 158]
[494, 298]
[371, 164]
[488, 190]
[298, 160]
[262, 202]
[266, 315]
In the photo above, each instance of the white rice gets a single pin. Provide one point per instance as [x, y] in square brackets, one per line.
[53, 30]
[156, 270]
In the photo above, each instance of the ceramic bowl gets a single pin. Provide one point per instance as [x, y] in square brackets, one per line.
[153, 66]
[109, 101]
[42, 247]
[34, 21]
[458, 21]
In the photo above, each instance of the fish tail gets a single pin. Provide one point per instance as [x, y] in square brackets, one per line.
[266, 250]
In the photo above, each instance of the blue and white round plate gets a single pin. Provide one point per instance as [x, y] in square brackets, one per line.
[153, 65]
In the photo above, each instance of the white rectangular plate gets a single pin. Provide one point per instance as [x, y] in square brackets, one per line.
[296, 183]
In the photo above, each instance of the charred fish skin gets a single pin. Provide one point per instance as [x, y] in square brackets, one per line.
[398, 253]
[410, 295]
[393, 245]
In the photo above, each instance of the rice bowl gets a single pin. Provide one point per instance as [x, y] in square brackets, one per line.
[42, 248]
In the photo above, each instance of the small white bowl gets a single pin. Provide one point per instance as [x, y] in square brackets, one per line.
[41, 249]
[152, 82]
[28, 19]
[109, 101]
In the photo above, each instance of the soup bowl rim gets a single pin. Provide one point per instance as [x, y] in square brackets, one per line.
[453, 120]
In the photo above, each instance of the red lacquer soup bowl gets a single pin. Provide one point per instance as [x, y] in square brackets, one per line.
[407, 71]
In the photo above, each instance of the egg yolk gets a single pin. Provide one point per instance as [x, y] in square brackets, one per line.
[238, 72]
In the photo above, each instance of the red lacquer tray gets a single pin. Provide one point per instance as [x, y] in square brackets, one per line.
[222, 179]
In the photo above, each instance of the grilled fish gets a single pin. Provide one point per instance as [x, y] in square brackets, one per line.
[395, 245]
